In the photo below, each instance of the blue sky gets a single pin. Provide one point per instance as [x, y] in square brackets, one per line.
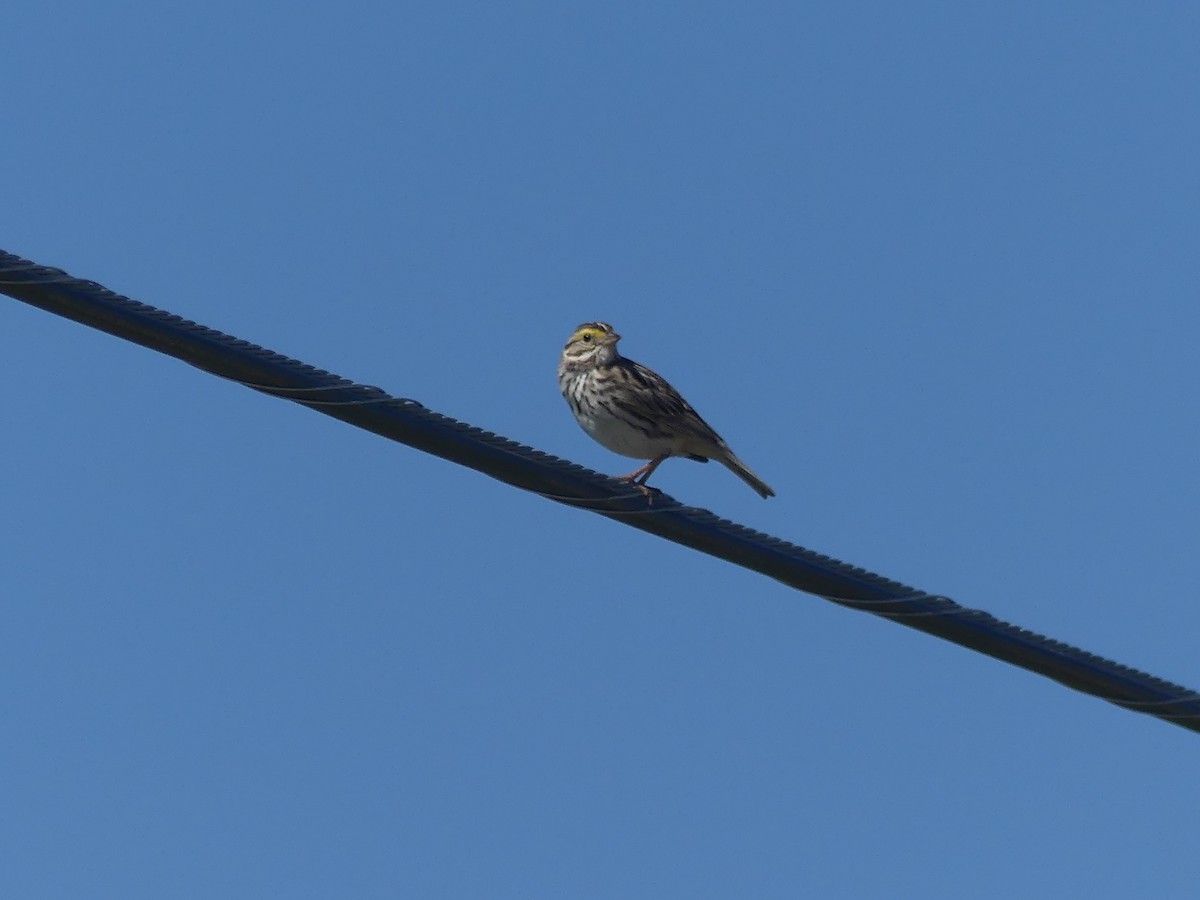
[930, 269]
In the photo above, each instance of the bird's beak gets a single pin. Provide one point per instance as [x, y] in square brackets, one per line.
[611, 338]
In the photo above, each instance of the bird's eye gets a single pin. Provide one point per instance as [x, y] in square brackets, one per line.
[587, 338]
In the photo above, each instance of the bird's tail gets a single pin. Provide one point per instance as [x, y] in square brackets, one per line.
[739, 468]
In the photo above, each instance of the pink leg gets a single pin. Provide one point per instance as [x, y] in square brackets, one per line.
[641, 475]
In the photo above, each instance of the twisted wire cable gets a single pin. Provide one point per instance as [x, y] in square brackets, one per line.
[409, 422]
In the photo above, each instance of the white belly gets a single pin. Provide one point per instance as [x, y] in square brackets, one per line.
[619, 437]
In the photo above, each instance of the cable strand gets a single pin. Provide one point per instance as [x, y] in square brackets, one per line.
[412, 423]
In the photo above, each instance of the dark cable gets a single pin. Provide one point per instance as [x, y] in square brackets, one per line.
[408, 422]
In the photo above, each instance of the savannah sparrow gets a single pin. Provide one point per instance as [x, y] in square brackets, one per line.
[632, 410]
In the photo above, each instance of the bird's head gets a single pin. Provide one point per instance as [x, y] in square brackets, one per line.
[591, 344]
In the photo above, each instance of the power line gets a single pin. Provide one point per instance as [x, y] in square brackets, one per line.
[409, 422]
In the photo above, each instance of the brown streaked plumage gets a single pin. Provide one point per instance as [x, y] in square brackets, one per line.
[634, 411]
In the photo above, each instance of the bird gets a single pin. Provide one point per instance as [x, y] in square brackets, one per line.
[634, 411]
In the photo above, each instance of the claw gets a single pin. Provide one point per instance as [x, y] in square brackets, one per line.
[638, 478]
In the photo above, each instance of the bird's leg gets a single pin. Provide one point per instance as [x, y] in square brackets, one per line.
[639, 477]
